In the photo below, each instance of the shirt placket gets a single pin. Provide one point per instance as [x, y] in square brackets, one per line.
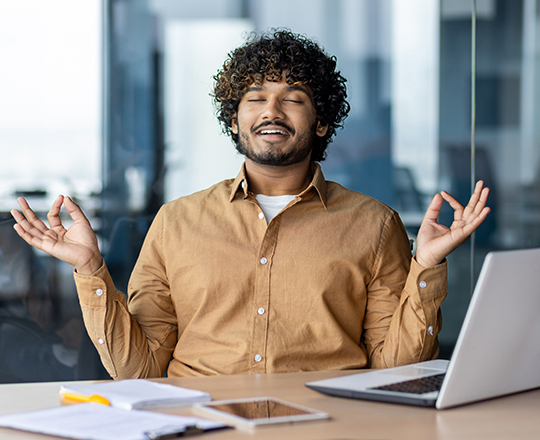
[261, 300]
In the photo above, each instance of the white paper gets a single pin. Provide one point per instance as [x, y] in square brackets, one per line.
[91, 421]
[139, 393]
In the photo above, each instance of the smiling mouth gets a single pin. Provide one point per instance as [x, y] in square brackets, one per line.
[273, 129]
[273, 132]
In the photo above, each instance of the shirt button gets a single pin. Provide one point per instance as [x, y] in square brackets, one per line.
[100, 341]
[423, 284]
[263, 260]
[258, 358]
[430, 330]
[99, 292]
[243, 184]
[260, 311]
[261, 215]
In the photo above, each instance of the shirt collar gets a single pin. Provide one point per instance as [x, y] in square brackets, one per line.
[318, 183]
[240, 183]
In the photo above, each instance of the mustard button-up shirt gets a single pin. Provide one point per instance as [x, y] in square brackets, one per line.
[329, 284]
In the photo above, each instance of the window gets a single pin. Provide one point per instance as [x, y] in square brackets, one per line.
[411, 79]
[50, 136]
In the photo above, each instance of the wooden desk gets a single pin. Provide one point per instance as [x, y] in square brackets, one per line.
[512, 417]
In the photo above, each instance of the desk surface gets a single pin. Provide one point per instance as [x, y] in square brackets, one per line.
[512, 417]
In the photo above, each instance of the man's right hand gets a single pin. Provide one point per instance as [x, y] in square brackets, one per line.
[77, 245]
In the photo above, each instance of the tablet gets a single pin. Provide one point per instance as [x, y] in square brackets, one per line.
[258, 411]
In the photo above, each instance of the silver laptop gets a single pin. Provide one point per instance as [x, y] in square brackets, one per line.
[497, 351]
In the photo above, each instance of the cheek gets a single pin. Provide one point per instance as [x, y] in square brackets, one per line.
[306, 117]
[240, 122]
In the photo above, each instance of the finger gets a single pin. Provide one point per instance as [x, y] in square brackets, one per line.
[474, 199]
[75, 211]
[454, 204]
[482, 202]
[479, 219]
[29, 220]
[53, 216]
[475, 206]
[20, 219]
[26, 236]
[16, 215]
[434, 208]
[474, 220]
[26, 231]
[477, 201]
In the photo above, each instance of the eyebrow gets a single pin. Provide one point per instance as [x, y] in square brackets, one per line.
[291, 88]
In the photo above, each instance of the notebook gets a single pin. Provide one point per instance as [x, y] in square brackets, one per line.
[497, 351]
[134, 394]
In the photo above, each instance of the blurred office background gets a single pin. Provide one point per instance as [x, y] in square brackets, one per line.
[108, 101]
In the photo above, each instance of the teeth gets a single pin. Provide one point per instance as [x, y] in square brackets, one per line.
[273, 132]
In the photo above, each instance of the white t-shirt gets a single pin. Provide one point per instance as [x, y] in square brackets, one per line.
[273, 205]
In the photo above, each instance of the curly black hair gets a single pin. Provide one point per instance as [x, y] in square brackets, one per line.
[267, 56]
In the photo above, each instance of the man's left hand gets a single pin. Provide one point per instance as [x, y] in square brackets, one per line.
[436, 241]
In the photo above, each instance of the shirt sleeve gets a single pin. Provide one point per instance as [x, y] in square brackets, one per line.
[403, 317]
[128, 348]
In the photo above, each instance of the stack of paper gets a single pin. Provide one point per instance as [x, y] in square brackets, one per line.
[99, 422]
[112, 421]
[136, 394]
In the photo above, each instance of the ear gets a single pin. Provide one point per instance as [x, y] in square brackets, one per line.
[234, 124]
[321, 129]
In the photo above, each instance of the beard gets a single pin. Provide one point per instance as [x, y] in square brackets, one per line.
[301, 150]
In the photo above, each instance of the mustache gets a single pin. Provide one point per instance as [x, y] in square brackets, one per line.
[278, 123]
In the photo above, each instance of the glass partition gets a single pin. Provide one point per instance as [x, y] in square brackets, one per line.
[50, 139]
[114, 109]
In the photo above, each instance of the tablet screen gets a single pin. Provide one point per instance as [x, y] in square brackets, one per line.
[258, 409]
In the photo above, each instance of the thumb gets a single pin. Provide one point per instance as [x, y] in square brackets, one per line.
[434, 209]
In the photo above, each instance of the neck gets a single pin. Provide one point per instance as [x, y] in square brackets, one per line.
[278, 181]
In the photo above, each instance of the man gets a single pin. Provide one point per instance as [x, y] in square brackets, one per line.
[278, 269]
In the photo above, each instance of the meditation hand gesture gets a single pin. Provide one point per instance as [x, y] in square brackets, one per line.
[77, 245]
[435, 241]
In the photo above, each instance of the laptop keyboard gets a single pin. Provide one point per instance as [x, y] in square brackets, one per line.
[416, 386]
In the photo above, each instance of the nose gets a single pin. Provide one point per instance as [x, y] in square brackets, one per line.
[272, 109]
